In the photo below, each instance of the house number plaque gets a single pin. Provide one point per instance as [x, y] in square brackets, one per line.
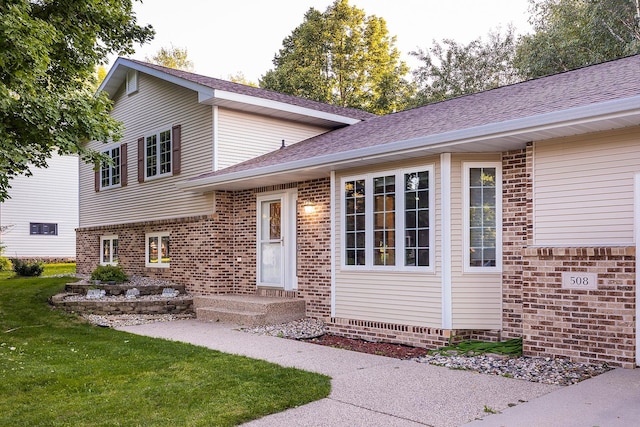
[579, 280]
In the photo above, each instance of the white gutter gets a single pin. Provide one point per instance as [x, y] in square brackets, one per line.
[282, 106]
[443, 141]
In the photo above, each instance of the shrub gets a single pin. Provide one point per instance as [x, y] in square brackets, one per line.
[5, 264]
[26, 268]
[109, 273]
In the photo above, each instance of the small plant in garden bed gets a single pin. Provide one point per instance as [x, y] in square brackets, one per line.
[109, 273]
[511, 347]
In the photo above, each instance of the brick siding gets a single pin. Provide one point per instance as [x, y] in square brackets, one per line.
[592, 326]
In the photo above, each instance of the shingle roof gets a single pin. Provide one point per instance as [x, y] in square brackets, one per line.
[591, 85]
[241, 89]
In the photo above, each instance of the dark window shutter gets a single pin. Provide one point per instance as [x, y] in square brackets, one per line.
[176, 139]
[124, 172]
[96, 177]
[141, 160]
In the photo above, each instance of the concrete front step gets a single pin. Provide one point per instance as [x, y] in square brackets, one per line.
[248, 310]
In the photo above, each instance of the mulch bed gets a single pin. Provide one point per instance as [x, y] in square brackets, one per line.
[397, 351]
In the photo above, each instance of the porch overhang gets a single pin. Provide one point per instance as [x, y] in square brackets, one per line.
[496, 137]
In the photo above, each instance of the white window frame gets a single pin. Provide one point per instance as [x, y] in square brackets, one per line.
[158, 264]
[110, 239]
[132, 82]
[399, 220]
[108, 152]
[157, 155]
[466, 168]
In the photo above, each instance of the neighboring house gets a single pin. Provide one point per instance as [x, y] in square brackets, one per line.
[512, 212]
[40, 219]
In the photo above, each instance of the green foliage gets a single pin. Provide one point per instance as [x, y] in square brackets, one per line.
[342, 57]
[451, 69]
[27, 268]
[574, 33]
[57, 370]
[172, 57]
[109, 273]
[512, 347]
[5, 264]
[48, 55]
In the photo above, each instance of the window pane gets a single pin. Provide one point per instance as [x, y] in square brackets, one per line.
[151, 155]
[165, 151]
[165, 256]
[106, 251]
[153, 249]
[114, 252]
[384, 220]
[354, 193]
[416, 187]
[115, 169]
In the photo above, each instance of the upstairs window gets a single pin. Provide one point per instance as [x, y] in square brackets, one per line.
[43, 228]
[159, 154]
[110, 173]
[113, 174]
[387, 219]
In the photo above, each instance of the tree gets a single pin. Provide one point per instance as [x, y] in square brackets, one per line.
[341, 57]
[49, 51]
[574, 33]
[239, 77]
[450, 69]
[172, 57]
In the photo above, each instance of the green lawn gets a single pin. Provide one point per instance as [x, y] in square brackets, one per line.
[58, 371]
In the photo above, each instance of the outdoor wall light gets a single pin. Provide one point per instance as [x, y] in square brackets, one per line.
[309, 207]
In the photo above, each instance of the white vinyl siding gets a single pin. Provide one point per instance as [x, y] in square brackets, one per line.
[49, 196]
[476, 297]
[583, 189]
[243, 136]
[410, 297]
[156, 105]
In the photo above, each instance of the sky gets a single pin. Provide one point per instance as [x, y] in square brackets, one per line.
[224, 38]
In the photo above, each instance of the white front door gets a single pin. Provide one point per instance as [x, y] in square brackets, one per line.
[276, 240]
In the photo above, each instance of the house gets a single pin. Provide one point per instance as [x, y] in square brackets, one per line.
[39, 221]
[507, 213]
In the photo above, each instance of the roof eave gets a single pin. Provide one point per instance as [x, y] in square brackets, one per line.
[210, 96]
[503, 136]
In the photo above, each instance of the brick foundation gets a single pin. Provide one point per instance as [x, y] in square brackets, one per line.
[216, 254]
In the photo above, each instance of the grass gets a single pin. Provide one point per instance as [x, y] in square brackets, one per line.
[56, 370]
[49, 270]
[58, 269]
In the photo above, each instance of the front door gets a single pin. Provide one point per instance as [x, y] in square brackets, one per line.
[276, 240]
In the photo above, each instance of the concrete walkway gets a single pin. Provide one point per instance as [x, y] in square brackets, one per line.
[370, 390]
